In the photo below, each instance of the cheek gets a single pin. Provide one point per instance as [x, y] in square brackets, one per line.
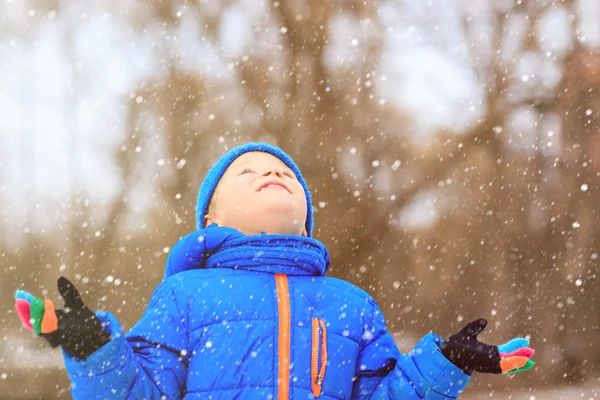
[300, 200]
[234, 196]
[243, 184]
[239, 186]
[299, 190]
[303, 206]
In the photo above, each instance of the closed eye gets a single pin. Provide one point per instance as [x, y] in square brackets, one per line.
[245, 171]
[288, 173]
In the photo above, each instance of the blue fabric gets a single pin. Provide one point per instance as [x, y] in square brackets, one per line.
[211, 332]
[229, 248]
[216, 172]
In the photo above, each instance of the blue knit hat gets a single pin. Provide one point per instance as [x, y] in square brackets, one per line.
[216, 172]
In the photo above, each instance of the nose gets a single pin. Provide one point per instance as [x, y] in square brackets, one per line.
[275, 172]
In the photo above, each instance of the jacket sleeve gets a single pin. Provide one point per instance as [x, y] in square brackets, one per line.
[383, 373]
[150, 362]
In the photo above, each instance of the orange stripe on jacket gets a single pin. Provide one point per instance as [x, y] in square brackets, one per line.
[283, 306]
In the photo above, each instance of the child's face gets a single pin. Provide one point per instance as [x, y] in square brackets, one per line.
[259, 193]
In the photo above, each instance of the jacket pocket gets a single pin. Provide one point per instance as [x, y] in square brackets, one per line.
[318, 363]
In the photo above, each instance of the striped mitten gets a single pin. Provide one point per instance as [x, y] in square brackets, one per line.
[75, 327]
[466, 352]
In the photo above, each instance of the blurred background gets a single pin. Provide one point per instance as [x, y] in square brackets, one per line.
[452, 148]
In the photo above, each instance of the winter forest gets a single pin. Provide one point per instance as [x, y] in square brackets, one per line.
[452, 149]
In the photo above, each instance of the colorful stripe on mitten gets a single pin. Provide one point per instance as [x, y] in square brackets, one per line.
[515, 356]
[37, 316]
[49, 322]
[527, 366]
[23, 305]
[514, 344]
[523, 352]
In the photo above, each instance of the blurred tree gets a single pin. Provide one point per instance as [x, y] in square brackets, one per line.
[496, 218]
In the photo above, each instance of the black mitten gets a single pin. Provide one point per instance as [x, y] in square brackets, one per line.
[74, 327]
[469, 354]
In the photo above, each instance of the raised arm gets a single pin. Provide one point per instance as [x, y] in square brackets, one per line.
[383, 373]
[150, 362]
[434, 369]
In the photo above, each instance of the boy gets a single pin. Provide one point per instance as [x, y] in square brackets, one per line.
[245, 312]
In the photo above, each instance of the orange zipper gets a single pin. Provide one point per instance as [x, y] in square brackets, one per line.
[283, 306]
[319, 345]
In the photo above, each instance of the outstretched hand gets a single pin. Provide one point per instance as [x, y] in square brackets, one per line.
[469, 354]
[74, 327]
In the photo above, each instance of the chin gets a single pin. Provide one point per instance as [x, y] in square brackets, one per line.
[279, 206]
[278, 222]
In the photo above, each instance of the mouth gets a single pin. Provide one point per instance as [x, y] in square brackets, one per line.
[276, 185]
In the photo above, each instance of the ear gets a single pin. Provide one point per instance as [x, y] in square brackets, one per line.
[208, 219]
[304, 233]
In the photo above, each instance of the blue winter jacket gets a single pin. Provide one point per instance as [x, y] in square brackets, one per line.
[237, 334]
